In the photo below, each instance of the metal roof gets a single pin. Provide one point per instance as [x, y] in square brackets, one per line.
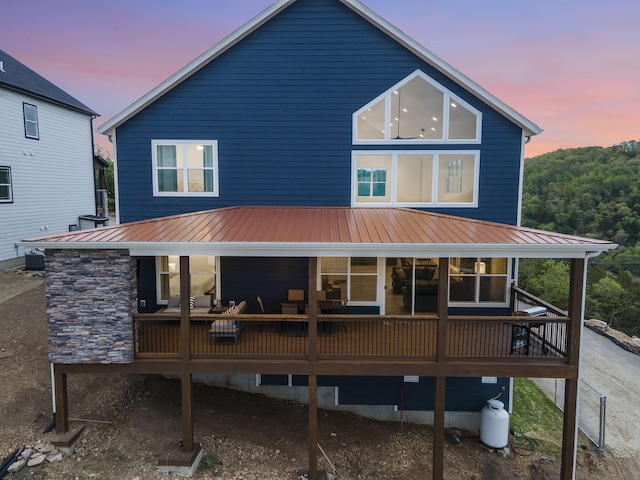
[19, 77]
[324, 231]
[439, 64]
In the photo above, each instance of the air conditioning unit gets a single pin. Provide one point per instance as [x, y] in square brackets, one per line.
[33, 261]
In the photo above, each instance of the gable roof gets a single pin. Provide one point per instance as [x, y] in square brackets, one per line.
[17, 76]
[426, 55]
[324, 231]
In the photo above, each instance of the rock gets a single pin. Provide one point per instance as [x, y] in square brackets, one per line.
[597, 324]
[26, 454]
[17, 466]
[634, 344]
[55, 457]
[36, 460]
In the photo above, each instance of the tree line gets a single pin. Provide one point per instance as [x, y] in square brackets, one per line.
[591, 192]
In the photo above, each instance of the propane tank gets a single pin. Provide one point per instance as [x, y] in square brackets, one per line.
[494, 425]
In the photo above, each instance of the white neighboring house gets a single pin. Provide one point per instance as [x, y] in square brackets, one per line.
[46, 158]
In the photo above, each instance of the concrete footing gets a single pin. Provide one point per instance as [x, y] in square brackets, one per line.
[66, 442]
[181, 463]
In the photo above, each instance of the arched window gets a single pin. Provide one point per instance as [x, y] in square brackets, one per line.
[417, 110]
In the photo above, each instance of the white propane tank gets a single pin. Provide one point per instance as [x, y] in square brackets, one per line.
[494, 425]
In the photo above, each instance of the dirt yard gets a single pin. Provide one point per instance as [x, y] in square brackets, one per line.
[135, 419]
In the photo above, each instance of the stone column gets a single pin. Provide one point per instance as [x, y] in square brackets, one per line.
[91, 299]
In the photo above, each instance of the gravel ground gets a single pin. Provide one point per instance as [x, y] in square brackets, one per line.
[614, 372]
[133, 420]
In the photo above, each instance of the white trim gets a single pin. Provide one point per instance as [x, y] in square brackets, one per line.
[116, 187]
[10, 185]
[185, 169]
[434, 178]
[314, 249]
[521, 182]
[238, 35]
[448, 97]
[477, 276]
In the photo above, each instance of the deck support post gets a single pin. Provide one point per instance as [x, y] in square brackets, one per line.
[185, 461]
[438, 429]
[61, 399]
[441, 354]
[313, 427]
[187, 412]
[312, 312]
[185, 323]
[571, 390]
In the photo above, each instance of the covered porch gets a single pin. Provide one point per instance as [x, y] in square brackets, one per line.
[440, 344]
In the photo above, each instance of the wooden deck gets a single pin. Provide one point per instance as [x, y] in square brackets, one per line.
[356, 337]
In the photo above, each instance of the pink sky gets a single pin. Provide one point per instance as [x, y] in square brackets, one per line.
[571, 67]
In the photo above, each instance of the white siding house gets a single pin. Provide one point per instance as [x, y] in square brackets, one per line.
[46, 158]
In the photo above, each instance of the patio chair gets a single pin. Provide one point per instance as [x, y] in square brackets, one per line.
[228, 327]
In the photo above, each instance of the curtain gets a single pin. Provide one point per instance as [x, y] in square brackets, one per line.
[208, 168]
[167, 168]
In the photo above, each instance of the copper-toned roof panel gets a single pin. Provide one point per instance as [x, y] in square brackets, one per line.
[318, 225]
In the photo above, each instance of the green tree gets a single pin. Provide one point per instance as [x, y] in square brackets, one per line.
[606, 300]
[547, 279]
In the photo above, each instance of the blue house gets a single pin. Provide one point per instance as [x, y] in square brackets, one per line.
[320, 103]
[355, 197]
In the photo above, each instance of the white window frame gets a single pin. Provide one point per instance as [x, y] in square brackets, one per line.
[25, 107]
[476, 302]
[160, 272]
[10, 185]
[380, 281]
[449, 99]
[392, 176]
[185, 169]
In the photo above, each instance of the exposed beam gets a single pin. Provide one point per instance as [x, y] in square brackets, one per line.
[534, 368]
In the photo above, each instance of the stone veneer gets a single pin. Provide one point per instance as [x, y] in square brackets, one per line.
[91, 299]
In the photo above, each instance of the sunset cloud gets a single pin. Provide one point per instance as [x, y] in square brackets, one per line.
[573, 71]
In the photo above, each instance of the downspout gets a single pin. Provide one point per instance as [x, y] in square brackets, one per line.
[93, 169]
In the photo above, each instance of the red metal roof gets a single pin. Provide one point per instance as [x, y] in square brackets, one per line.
[291, 231]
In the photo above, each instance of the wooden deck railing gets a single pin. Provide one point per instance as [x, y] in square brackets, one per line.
[362, 337]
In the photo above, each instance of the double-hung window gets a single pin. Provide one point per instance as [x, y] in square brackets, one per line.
[6, 193]
[185, 167]
[30, 113]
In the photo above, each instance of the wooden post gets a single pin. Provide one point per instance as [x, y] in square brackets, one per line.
[443, 309]
[571, 388]
[312, 312]
[185, 355]
[62, 400]
[185, 324]
[187, 413]
[438, 429]
[312, 309]
[441, 354]
[313, 427]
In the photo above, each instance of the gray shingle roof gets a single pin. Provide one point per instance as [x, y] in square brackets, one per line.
[17, 76]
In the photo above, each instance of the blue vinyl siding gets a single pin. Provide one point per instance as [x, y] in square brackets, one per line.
[246, 278]
[280, 104]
